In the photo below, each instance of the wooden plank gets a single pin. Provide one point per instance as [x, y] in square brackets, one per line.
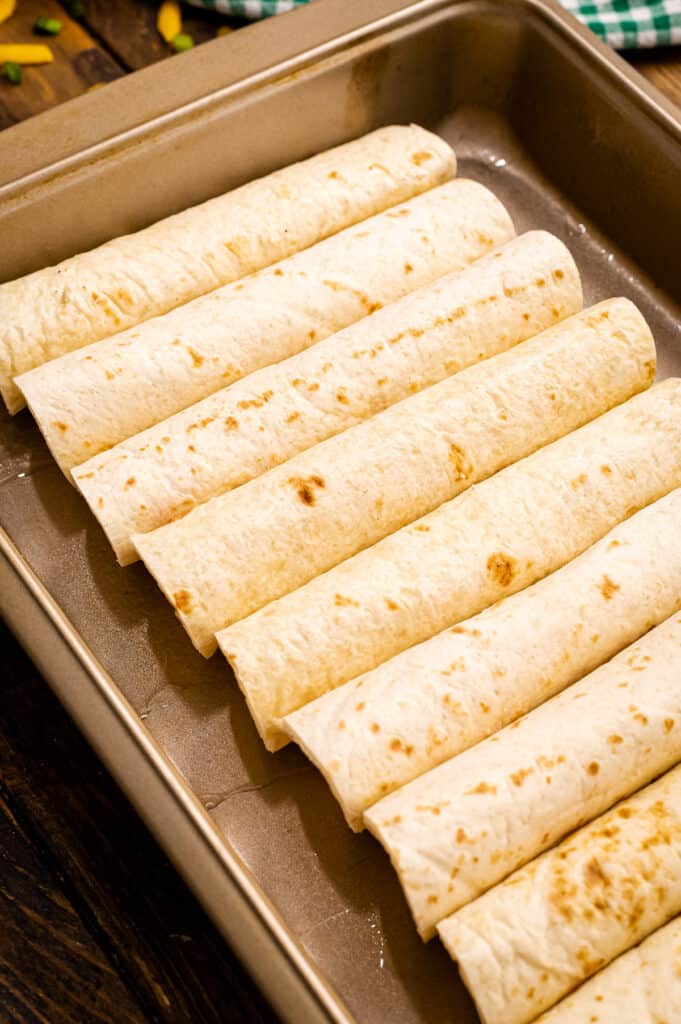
[171, 958]
[50, 967]
[662, 67]
[79, 63]
[128, 29]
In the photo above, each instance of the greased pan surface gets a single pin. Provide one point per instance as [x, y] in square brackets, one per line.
[572, 143]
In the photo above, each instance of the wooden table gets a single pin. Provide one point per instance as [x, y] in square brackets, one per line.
[96, 925]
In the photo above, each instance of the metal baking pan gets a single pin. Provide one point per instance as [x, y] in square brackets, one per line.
[573, 141]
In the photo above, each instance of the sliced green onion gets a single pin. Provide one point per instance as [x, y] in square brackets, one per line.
[44, 26]
[13, 72]
[181, 42]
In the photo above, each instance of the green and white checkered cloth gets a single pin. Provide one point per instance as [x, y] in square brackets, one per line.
[625, 24]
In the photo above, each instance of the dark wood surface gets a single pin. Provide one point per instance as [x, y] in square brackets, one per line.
[96, 924]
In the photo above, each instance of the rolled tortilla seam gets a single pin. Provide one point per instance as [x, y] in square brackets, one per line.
[448, 693]
[463, 826]
[91, 399]
[495, 539]
[273, 414]
[243, 549]
[643, 985]
[548, 927]
[130, 279]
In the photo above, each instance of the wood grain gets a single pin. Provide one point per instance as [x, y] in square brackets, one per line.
[50, 967]
[64, 818]
[78, 64]
[662, 67]
[128, 27]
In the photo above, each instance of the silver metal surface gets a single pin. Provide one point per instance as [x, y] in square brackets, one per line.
[572, 141]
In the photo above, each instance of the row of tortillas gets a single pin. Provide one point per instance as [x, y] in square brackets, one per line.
[249, 427]
[462, 827]
[493, 540]
[532, 939]
[91, 399]
[142, 275]
[378, 732]
[239, 551]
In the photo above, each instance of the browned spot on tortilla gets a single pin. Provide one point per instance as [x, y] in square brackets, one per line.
[606, 470]
[130, 482]
[668, 724]
[608, 588]
[361, 706]
[650, 368]
[197, 360]
[594, 874]
[86, 476]
[333, 175]
[278, 272]
[578, 481]
[432, 898]
[501, 568]
[485, 708]
[341, 396]
[558, 275]
[61, 426]
[408, 268]
[100, 502]
[517, 778]
[481, 788]
[422, 528]
[234, 249]
[461, 467]
[421, 157]
[292, 417]
[640, 717]
[342, 602]
[397, 213]
[540, 282]
[231, 423]
[375, 727]
[182, 600]
[312, 335]
[341, 724]
[398, 744]
[109, 375]
[305, 487]
[391, 604]
[614, 739]
[381, 381]
[593, 768]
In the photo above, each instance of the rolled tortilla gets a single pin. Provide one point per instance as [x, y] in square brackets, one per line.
[89, 400]
[643, 985]
[235, 434]
[243, 549]
[448, 693]
[133, 278]
[534, 938]
[495, 539]
[465, 825]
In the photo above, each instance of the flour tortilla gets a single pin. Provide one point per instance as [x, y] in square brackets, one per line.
[133, 278]
[643, 985]
[274, 413]
[450, 692]
[496, 538]
[89, 400]
[465, 825]
[237, 552]
[532, 939]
